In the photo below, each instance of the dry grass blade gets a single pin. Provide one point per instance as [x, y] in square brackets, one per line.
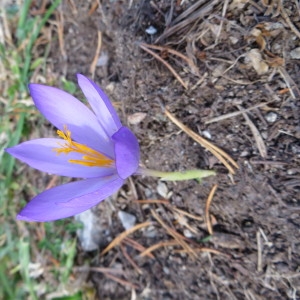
[186, 213]
[169, 50]
[97, 54]
[209, 250]
[60, 32]
[220, 154]
[172, 51]
[236, 113]
[174, 234]
[157, 246]
[222, 21]
[121, 281]
[94, 7]
[143, 46]
[290, 83]
[152, 201]
[259, 251]
[130, 260]
[192, 14]
[258, 139]
[288, 20]
[207, 205]
[136, 245]
[123, 235]
[103, 270]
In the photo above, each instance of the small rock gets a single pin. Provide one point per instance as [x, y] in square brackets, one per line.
[255, 59]
[295, 54]
[206, 134]
[271, 117]
[162, 189]
[151, 30]
[90, 235]
[103, 59]
[187, 233]
[127, 220]
[244, 153]
[136, 118]
[150, 232]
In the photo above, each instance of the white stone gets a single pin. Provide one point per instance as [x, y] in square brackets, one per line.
[151, 30]
[162, 189]
[271, 117]
[90, 235]
[127, 220]
[295, 54]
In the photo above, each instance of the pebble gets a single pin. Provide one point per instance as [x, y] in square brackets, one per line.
[206, 134]
[136, 118]
[271, 117]
[103, 59]
[244, 153]
[187, 233]
[295, 54]
[162, 189]
[89, 236]
[151, 30]
[127, 220]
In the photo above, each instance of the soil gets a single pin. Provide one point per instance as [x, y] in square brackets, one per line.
[242, 56]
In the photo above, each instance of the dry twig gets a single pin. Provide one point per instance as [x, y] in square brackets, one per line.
[208, 202]
[97, 54]
[123, 235]
[220, 154]
[258, 138]
[130, 260]
[159, 245]
[134, 244]
[236, 113]
[174, 234]
[144, 47]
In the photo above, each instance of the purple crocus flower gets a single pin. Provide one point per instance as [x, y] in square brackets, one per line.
[92, 144]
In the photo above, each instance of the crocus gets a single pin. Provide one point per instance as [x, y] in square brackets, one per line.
[91, 144]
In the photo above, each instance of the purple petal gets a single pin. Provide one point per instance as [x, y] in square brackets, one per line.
[127, 152]
[69, 199]
[100, 104]
[39, 154]
[61, 109]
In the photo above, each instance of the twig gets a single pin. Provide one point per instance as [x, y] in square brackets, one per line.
[186, 213]
[258, 138]
[130, 260]
[222, 20]
[123, 235]
[170, 50]
[152, 201]
[97, 54]
[219, 153]
[236, 113]
[174, 234]
[165, 63]
[259, 251]
[208, 202]
[121, 281]
[157, 246]
[288, 20]
[136, 246]
[209, 250]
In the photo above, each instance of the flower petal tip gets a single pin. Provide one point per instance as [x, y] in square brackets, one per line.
[21, 217]
[127, 152]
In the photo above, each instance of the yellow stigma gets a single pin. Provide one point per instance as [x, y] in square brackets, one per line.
[90, 158]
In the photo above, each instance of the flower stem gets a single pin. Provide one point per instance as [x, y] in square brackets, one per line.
[176, 176]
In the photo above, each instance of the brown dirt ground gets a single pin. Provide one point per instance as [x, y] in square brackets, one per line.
[241, 55]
